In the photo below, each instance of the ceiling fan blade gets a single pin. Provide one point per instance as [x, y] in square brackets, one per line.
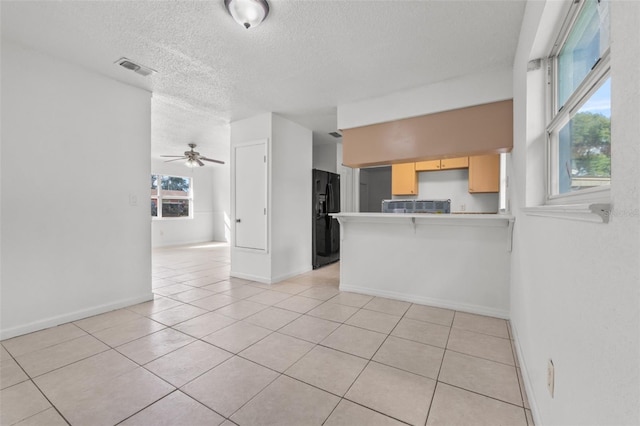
[213, 161]
[171, 156]
[175, 159]
[199, 162]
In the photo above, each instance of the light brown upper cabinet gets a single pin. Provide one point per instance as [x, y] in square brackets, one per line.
[425, 166]
[444, 164]
[404, 179]
[484, 173]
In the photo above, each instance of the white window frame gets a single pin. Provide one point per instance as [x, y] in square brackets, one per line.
[159, 197]
[557, 119]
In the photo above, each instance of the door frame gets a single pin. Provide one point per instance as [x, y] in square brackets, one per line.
[265, 143]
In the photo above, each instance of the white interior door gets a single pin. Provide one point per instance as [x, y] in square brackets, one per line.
[251, 196]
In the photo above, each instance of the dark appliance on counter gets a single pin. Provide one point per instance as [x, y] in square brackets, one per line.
[416, 206]
[326, 229]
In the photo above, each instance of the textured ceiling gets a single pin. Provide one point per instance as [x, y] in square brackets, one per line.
[304, 60]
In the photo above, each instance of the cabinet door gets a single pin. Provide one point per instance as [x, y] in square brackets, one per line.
[454, 163]
[425, 166]
[404, 180]
[251, 196]
[484, 173]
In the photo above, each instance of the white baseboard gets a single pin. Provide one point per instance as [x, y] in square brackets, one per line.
[71, 316]
[440, 303]
[272, 280]
[528, 388]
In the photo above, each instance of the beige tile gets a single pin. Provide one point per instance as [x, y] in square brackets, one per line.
[529, 417]
[479, 375]
[349, 414]
[41, 339]
[396, 393]
[230, 385]
[172, 289]
[111, 401]
[423, 332]
[351, 299]
[238, 336]
[203, 281]
[155, 345]
[89, 372]
[158, 304]
[354, 340]
[299, 304]
[221, 286]
[481, 324]
[374, 321]
[269, 297]
[128, 331]
[320, 293]
[175, 409]
[290, 287]
[430, 314]
[188, 362]
[272, 318]
[177, 315]
[20, 402]
[333, 312]
[455, 406]
[214, 302]
[242, 292]
[48, 417]
[480, 345]
[277, 351]
[411, 356]
[204, 324]
[191, 295]
[242, 309]
[309, 328]
[388, 306]
[106, 320]
[328, 369]
[52, 357]
[10, 373]
[287, 402]
[523, 392]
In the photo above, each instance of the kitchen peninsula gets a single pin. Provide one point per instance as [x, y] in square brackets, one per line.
[455, 261]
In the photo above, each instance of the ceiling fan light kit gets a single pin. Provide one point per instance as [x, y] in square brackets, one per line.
[193, 158]
[248, 13]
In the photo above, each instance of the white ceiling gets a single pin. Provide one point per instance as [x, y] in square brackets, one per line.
[307, 57]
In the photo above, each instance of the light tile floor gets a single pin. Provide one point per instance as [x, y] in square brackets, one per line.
[211, 350]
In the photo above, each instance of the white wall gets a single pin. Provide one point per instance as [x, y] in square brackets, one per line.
[454, 185]
[474, 89]
[325, 157]
[575, 285]
[291, 199]
[75, 176]
[210, 205]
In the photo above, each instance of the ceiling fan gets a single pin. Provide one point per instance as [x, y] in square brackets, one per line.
[193, 157]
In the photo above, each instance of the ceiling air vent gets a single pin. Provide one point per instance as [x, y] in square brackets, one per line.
[137, 68]
[336, 134]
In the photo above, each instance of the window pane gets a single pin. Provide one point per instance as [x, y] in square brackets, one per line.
[154, 207]
[154, 185]
[175, 186]
[587, 41]
[584, 154]
[175, 208]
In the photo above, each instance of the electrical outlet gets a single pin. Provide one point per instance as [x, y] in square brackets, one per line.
[551, 377]
[463, 207]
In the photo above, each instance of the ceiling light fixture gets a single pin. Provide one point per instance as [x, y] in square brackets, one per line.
[248, 13]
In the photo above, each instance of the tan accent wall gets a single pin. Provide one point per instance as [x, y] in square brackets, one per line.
[481, 129]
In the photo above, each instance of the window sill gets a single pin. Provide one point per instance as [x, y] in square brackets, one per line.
[593, 212]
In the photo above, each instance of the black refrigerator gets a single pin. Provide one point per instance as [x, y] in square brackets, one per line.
[326, 230]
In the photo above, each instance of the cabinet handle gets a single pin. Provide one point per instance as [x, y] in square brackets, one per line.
[237, 220]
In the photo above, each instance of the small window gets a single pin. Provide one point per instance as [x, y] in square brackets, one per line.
[171, 197]
[580, 126]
